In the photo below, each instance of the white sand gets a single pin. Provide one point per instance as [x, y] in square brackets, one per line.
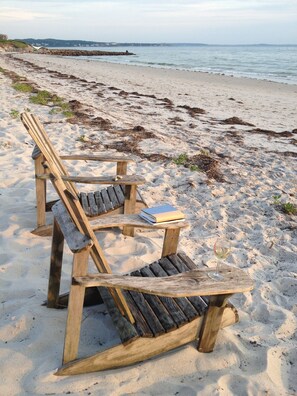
[257, 356]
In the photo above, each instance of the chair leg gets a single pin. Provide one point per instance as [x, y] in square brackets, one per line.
[40, 193]
[55, 267]
[129, 207]
[212, 323]
[170, 241]
[75, 307]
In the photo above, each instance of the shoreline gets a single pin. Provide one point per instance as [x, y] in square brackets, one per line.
[248, 128]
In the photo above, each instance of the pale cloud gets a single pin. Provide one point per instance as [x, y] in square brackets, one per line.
[152, 20]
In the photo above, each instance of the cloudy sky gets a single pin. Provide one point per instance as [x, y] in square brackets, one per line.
[203, 21]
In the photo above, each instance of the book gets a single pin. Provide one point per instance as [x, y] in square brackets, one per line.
[161, 214]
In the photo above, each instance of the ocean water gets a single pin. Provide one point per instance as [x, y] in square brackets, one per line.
[273, 63]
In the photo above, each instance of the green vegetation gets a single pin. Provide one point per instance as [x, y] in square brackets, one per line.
[195, 168]
[181, 159]
[289, 208]
[13, 44]
[45, 98]
[42, 98]
[22, 87]
[285, 207]
[14, 113]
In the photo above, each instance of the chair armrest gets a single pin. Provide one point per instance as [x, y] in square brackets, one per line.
[132, 220]
[120, 179]
[187, 284]
[79, 157]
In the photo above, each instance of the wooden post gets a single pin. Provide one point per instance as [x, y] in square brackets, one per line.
[211, 323]
[129, 207]
[121, 168]
[55, 267]
[170, 241]
[75, 307]
[40, 192]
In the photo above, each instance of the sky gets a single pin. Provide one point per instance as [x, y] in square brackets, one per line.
[178, 21]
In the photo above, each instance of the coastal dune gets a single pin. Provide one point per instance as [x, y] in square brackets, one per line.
[221, 149]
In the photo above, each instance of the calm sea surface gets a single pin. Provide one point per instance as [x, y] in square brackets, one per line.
[274, 63]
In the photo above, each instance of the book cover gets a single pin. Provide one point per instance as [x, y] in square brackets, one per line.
[160, 222]
[161, 213]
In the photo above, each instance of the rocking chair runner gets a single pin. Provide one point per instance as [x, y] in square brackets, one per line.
[117, 198]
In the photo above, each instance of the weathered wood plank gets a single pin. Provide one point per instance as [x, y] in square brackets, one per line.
[106, 200]
[192, 283]
[131, 220]
[102, 158]
[84, 203]
[113, 197]
[157, 306]
[170, 241]
[40, 186]
[36, 152]
[120, 195]
[55, 267]
[129, 207]
[75, 308]
[173, 265]
[186, 307]
[150, 317]
[75, 240]
[140, 323]
[212, 323]
[126, 330]
[172, 308]
[99, 202]
[130, 180]
[92, 204]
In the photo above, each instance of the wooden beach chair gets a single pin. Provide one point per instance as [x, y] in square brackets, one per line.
[150, 319]
[165, 305]
[118, 197]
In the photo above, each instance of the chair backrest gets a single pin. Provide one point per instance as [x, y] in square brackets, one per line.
[70, 200]
[40, 137]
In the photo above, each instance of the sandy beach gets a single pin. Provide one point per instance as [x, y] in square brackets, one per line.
[249, 130]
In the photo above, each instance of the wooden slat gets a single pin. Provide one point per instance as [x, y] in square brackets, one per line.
[159, 309]
[126, 330]
[36, 152]
[99, 202]
[173, 266]
[75, 239]
[120, 195]
[113, 197]
[140, 324]
[177, 316]
[84, 203]
[106, 200]
[151, 319]
[92, 204]
[185, 305]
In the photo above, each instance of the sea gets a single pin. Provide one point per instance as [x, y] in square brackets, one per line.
[264, 62]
